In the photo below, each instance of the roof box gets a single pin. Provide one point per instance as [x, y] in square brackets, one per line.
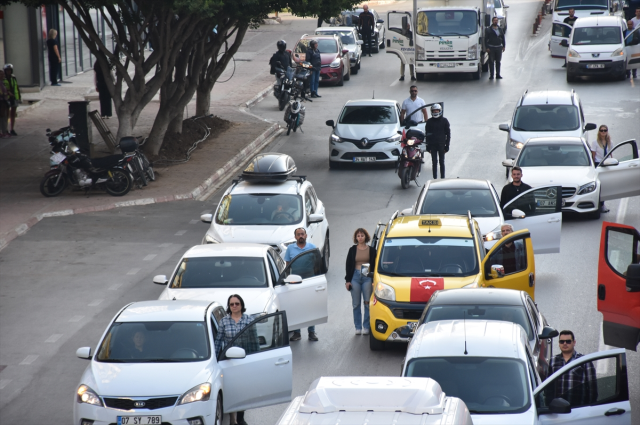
[269, 167]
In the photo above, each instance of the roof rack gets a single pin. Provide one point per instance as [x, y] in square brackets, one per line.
[470, 221]
[573, 96]
[393, 217]
[523, 95]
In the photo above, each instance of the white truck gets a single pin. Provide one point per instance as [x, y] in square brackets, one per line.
[442, 36]
[375, 400]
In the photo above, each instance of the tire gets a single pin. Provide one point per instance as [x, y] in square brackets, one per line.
[148, 169]
[354, 70]
[359, 62]
[595, 215]
[282, 103]
[405, 177]
[219, 411]
[348, 76]
[570, 78]
[341, 82]
[476, 75]
[119, 184]
[326, 253]
[382, 45]
[140, 170]
[334, 165]
[374, 344]
[48, 185]
[289, 127]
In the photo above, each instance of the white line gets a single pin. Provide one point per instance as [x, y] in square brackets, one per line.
[458, 165]
[150, 257]
[4, 383]
[133, 271]
[164, 245]
[53, 338]
[194, 221]
[76, 318]
[95, 303]
[115, 287]
[622, 210]
[29, 359]
[181, 232]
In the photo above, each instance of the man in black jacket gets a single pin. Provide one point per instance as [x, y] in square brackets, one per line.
[314, 58]
[281, 56]
[367, 24]
[515, 188]
[438, 134]
[495, 42]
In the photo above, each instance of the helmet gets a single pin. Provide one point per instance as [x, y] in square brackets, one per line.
[8, 66]
[281, 45]
[436, 111]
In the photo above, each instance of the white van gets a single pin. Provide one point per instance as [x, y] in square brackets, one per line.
[375, 400]
[596, 46]
[584, 9]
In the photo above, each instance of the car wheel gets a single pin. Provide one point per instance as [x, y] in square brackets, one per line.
[219, 411]
[374, 344]
[326, 253]
[354, 70]
[348, 76]
[341, 81]
[570, 78]
[382, 45]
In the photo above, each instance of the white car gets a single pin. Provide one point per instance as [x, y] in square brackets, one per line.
[350, 41]
[257, 273]
[156, 363]
[489, 365]
[501, 12]
[266, 204]
[480, 198]
[567, 161]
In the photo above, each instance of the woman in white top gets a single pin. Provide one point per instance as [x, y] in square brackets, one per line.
[599, 149]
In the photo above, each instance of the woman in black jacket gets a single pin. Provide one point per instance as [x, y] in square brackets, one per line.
[361, 286]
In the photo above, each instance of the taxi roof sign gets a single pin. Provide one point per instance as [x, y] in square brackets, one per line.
[430, 222]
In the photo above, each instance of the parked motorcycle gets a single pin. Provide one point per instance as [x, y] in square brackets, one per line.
[410, 162]
[140, 168]
[294, 114]
[291, 81]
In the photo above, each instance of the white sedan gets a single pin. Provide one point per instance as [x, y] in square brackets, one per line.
[567, 161]
[256, 272]
[156, 363]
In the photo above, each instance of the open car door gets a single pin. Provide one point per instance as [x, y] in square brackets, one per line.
[601, 398]
[632, 47]
[539, 210]
[257, 374]
[619, 285]
[510, 264]
[302, 290]
[619, 172]
[400, 37]
[559, 31]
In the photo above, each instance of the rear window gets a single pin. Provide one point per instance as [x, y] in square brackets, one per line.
[553, 156]
[596, 35]
[458, 201]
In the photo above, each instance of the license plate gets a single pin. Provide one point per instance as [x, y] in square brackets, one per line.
[139, 420]
[57, 158]
[547, 203]
[595, 66]
[364, 159]
[446, 65]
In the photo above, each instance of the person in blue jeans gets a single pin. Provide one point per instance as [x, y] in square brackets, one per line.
[293, 250]
[359, 284]
[314, 58]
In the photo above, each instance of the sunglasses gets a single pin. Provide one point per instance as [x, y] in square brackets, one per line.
[565, 341]
[603, 130]
[233, 304]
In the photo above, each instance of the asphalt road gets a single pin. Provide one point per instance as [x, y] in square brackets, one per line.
[64, 280]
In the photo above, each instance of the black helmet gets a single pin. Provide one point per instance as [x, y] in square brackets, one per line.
[281, 45]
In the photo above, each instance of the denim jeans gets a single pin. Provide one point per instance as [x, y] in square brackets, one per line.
[361, 288]
[315, 81]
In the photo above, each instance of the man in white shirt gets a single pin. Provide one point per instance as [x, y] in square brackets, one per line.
[410, 105]
[636, 19]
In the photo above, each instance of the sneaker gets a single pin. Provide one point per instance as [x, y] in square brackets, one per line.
[295, 337]
[13, 133]
[402, 78]
[491, 77]
[358, 331]
[317, 95]
[499, 77]
[312, 336]
[366, 331]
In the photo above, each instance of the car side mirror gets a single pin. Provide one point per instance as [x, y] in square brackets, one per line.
[381, 21]
[559, 406]
[235, 353]
[516, 213]
[633, 278]
[497, 271]
[360, 42]
[293, 279]
[399, 132]
[406, 211]
[610, 162]
[504, 127]
[160, 279]
[330, 123]
[84, 353]
[508, 162]
[206, 218]
[564, 43]
[487, 20]
[590, 126]
[344, 52]
[315, 218]
[506, 6]
[548, 332]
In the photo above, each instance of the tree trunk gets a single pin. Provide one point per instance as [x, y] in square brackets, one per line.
[203, 101]
[175, 126]
[125, 124]
[159, 129]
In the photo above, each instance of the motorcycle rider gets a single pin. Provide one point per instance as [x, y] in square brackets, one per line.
[438, 134]
[284, 58]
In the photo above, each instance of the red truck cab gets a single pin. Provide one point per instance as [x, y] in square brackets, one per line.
[619, 285]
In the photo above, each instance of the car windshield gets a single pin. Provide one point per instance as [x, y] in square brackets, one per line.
[368, 114]
[447, 22]
[546, 118]
[581, 5]
[485, 384]
[220, 272]
[508, 313]
[480, 202]
[553, 156]
[428, 256]
[154, 342]
[345, 36]
[259, 209]
[497, 4]
[596, 35]
[350, 18]
[327, 46]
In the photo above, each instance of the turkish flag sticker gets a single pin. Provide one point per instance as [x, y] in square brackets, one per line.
[423, 287]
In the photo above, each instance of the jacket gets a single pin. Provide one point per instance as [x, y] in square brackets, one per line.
[11, 83]
[438, 133]
[314, 58]
[494, 40]
[283, 57]
[351, 262]
[366, 20]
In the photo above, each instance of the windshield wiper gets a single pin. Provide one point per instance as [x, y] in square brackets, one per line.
[112, 360]
[393, 274]
[454, 33]
[160, 361]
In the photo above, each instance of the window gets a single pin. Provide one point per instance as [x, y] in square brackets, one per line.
[561, 30]
[533, 311]
[365, 114]
[259, 209]
[275, 273]
[497, 4]
[480, 242]
[306, 265]
[440, 23]
[632, 39]
[535, 380]
[539, 155]
[596, 35]
[624, 152]
[346, 37]
[480, 202]
[546, 118]
[309, 205]
[622, 249]
[578, 5]
[263, 334]
[400, 23]
[220, 272]
[327, 46]
[512, 256]
[312, 191]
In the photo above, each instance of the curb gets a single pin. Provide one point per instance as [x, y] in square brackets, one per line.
[34, 105]
[257, 98]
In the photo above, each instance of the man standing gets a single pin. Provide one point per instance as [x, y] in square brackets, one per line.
[578, 387]
[496, 44]
[294, 250]
[513, 189]
[412, 69]
[630, 26]
[569, 20]
[439, 138]
[511, 256]
[314, 58]
[410, 104]
[636, 19]
[367, 24]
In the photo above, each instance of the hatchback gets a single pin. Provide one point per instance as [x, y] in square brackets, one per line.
[336, 68]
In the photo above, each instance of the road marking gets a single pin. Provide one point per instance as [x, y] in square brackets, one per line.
[164, 245]
[29, 359]
[4, 383]
[76, 318]
[150, 257]
[622, 210]
[53, 338]
[115, 287]
[194, 221]
[133, 271]
[181, 232]
[458, 165]
[95, 303]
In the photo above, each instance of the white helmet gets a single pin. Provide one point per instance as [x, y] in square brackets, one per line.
[436, 111]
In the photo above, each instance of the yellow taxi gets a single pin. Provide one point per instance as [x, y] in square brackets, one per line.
[420, 254]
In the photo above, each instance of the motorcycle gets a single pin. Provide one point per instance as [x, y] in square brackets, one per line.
[140, 168]
[295, 112]
[290, 81]
[410, 161]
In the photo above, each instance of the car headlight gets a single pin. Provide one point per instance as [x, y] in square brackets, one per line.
[587, 188]
[394, 139]
[200, 392]
[472, 53]
[421, 53]
[516, 144]
[210, 239]
[618, 52]
[87, 395]
[385, 292]
[335, 139]
[335, 63]
[573, 54]
[493, 235]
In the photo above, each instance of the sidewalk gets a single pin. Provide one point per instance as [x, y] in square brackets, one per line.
[25, 158]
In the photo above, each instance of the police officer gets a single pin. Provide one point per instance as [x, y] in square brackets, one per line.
[438, 134]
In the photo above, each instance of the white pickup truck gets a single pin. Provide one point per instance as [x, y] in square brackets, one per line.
[375, 400]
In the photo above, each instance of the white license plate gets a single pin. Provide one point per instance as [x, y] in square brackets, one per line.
[57, 158]
[139, 420]
[446, 65]
[595, 66]
[364, 159]
[547, 203]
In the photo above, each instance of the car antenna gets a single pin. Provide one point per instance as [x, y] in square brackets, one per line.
[464, 326]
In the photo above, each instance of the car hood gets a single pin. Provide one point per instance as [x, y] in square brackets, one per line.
[270, 235]
[146, 379]
[525, 418]
[327, 58]
[523, 136]
[563, 176]
[350, 47]
[255, 299]
[487, 224]
[369, 131]
[604, 50]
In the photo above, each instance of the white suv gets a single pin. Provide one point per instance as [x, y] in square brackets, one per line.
[266, 204]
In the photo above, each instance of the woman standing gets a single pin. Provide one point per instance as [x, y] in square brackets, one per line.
[4, 108]
[54, 57]
[11, 83]
[229, 327]
[599, 149]
[103, 91]
[358, 283]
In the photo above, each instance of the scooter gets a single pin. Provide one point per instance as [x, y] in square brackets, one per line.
[410, 162]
